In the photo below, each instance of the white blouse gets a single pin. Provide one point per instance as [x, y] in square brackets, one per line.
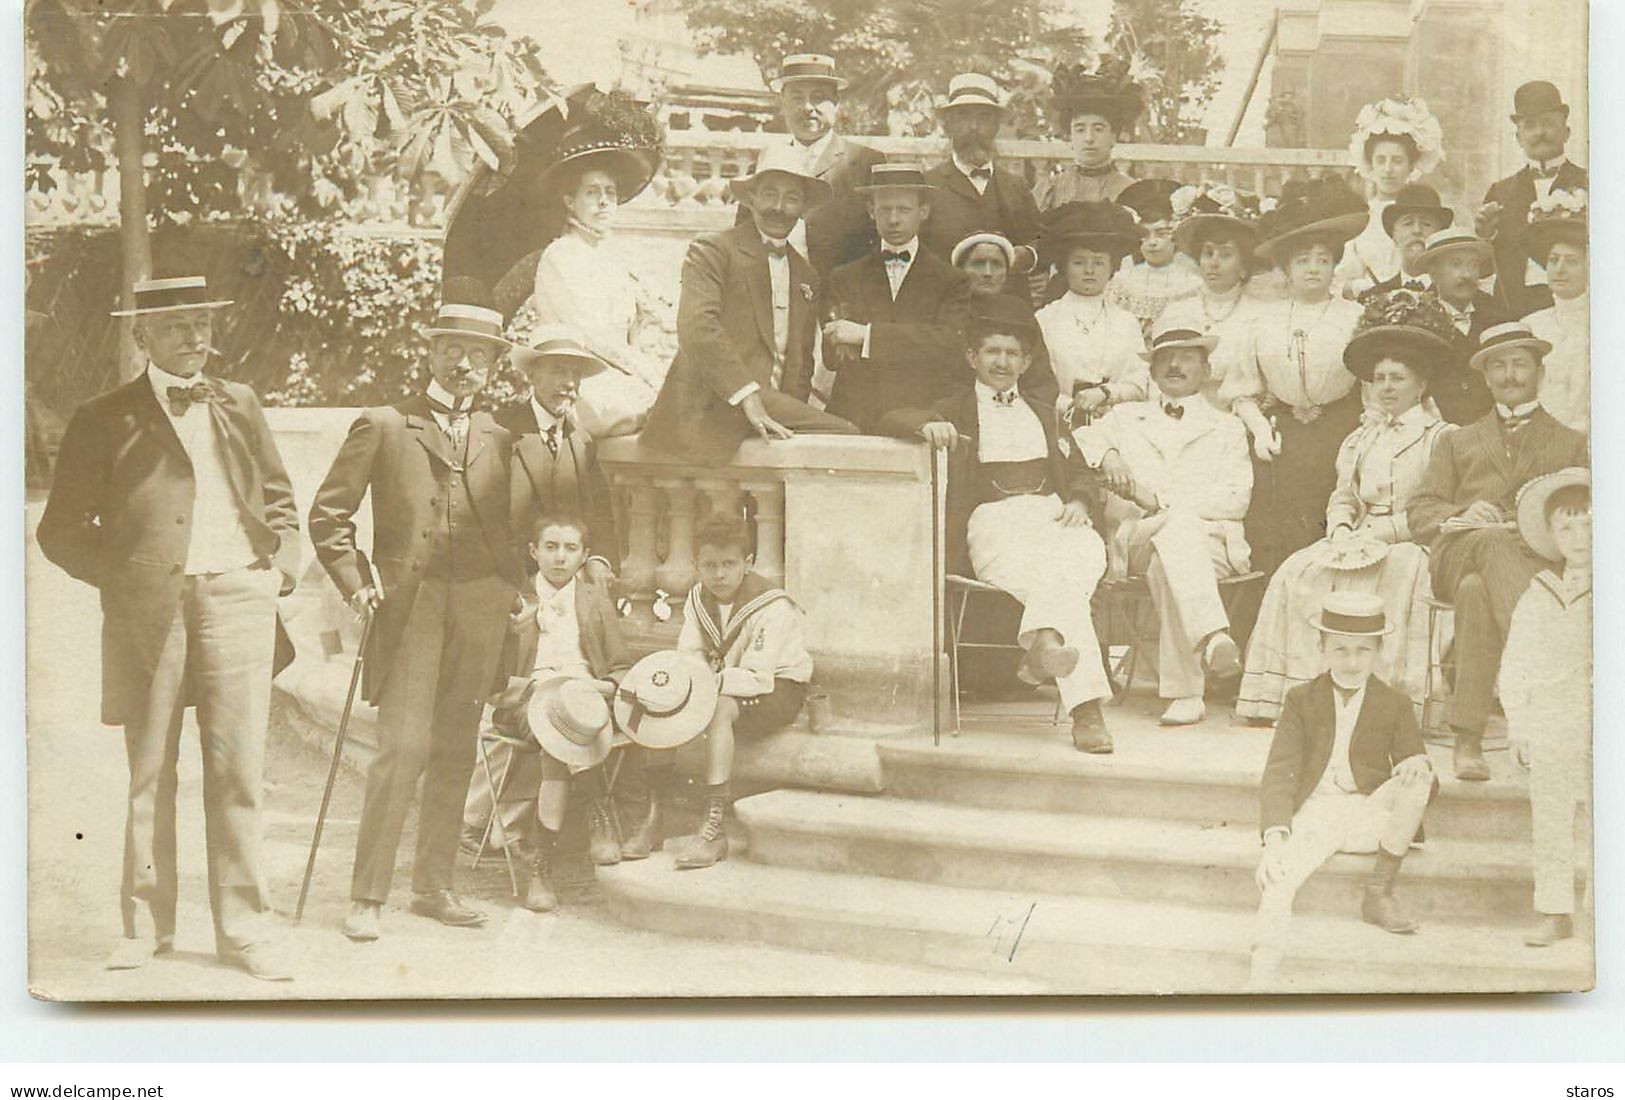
[1298, 352]
[1230, 317]
[1565, 390]
[1092, 340]
[1379, 468]
[1369, 258]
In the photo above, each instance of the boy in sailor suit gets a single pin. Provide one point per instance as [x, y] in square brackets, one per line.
[1018, 510]
[750, 633]
[1185, 469]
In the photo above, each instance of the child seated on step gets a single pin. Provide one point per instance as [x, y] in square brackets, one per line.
[1347, 772]
[1545, 686]
[749, 631]
[1017, 511]
[567, 631]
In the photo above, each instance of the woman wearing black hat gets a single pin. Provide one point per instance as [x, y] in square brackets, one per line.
[1557, 242]
[1092, 107]
[1368, 545]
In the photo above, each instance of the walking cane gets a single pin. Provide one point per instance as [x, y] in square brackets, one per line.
[938, 568]
[333, 768]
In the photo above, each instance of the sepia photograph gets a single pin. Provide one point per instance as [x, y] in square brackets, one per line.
[583, 499]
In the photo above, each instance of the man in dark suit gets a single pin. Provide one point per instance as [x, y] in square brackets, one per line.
[893, 337]
[745, 324]
[972, 192]
[1416, 214]
[446, 582]
[1453, 262]
[837, 230]
[1347, 772]
[1542, 121]
[1463, 510]
[171, 499]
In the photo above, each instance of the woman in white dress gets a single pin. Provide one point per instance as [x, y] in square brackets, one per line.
[1368, 547]
[1557, 241]
[582, 279]
[1395, 142]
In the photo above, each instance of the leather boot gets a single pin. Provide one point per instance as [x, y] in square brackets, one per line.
[1379, 906]
[1089, 728]
[710, 844]
[604, 843]
[645, 837]
[539, 895]
[1047, 659]
[1552, 927]
[1468, 756]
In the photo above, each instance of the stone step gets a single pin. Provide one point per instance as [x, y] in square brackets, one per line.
[1451, 880]
[1070, 945]
[1201, 776]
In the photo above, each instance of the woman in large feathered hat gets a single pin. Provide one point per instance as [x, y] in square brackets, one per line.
[1092, 106]
[1395, 142]
[543, 237]
[1401, 337]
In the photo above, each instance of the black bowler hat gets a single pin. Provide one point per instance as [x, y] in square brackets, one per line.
[1417, 198]
[1537, 97]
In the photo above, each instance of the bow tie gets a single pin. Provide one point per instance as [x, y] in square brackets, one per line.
[1095, 173]
[1541, 172]
[1174, 412]
[182, 398]
[780, 249]
[446, 410]
[556, 432]
[888, 256]
[1513, 421]
[984, 172]
[1005, 397]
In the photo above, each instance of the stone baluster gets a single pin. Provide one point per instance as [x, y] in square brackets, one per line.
[724, 496]
[676, 573]
[643, 516]
[769, 497]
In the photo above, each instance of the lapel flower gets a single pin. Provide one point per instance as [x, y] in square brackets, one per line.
[808, 292]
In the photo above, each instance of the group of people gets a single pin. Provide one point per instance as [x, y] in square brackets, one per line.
[1368, 405]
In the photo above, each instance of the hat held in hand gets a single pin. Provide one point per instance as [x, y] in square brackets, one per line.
[666, 700]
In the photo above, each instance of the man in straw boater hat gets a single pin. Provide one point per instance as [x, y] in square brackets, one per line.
[1182, 467]
[171, 499]
[746, 321]
[1347, 772]
[1463, 512]
[892, 337]
[838, 231]
[1546, 687]
[441, 582]
[1541, 119]
[1453, 262]
[973, 193]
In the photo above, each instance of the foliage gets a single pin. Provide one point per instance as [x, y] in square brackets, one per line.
[1179, 44]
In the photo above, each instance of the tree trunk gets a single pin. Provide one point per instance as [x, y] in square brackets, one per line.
[128, 106]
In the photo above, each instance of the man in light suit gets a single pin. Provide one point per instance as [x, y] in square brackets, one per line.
[171, 499]
[446, 582]
[1542, 121]
[1185, 471]
[1463, 513]
[745, 323]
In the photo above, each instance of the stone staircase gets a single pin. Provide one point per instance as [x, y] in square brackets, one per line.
[1002, 851]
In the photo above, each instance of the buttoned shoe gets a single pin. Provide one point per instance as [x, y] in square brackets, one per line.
[1221, 657]
[539, 895]
[1184, 712]
[1552, 927]
[260, 960]
[1047, 659]
[1468, 757]
[133, 954]
[710, 845]
[445, 907]
[603, 844]
[1382, 909]
[646, 837]
[361, 926]
[1089, 729]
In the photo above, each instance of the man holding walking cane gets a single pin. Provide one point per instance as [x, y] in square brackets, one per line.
[444, 557]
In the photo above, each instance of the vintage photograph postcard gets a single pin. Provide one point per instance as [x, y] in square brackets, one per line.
[688, 498]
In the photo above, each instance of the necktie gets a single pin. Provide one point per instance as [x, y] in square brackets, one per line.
[777, 249]
[456, 423]
[1343, 694]
[182, 398]
[984, 172]
[1174, 412]
[1005, 397]
[901, 257]
[551, 438]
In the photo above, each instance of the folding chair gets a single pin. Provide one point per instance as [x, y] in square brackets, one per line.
[1434, 693]
[1128, 601]
[960, 590]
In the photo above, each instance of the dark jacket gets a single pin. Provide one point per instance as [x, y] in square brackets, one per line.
[838, 231]
[119, 518]
[1384, 734]
[1457, 388]
[601, 643]
[1516, 193]
[1069, 478]
[569, 481]
[958, 210]
[916, 349]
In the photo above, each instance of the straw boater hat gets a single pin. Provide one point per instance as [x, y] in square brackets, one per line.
[1533, 523]
[983, 236]
[892, 174]
[1513, 334]
[1171, 334]
[1318, 209]
[1360, 614]
[1416, 198]
[1101, 225]
[971, 90]
[1399, 320]
[1200, 208]
[467, 319]
[1560, 216]
[556, 342]
[666, 700]
[570, 720]
[805, 66]
[788, 162]
[1457, 239]
[171, 296]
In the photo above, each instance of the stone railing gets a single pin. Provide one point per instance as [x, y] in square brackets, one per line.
[844, 524]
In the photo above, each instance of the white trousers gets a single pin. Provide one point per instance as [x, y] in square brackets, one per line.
[1558, 779]
[1019, 544]
[1183, 561]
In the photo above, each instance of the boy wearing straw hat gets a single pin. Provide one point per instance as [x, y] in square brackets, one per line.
[1347, 772]
[171, 499]
[447, 576]
[1546, 686]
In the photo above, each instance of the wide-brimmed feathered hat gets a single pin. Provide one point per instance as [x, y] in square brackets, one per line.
[1413, 324]
[1206, 207]
[1324, 208]
[614, 133]
[1104, 226]
[1407, 119]
[1560, 216]
[1106, 88]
